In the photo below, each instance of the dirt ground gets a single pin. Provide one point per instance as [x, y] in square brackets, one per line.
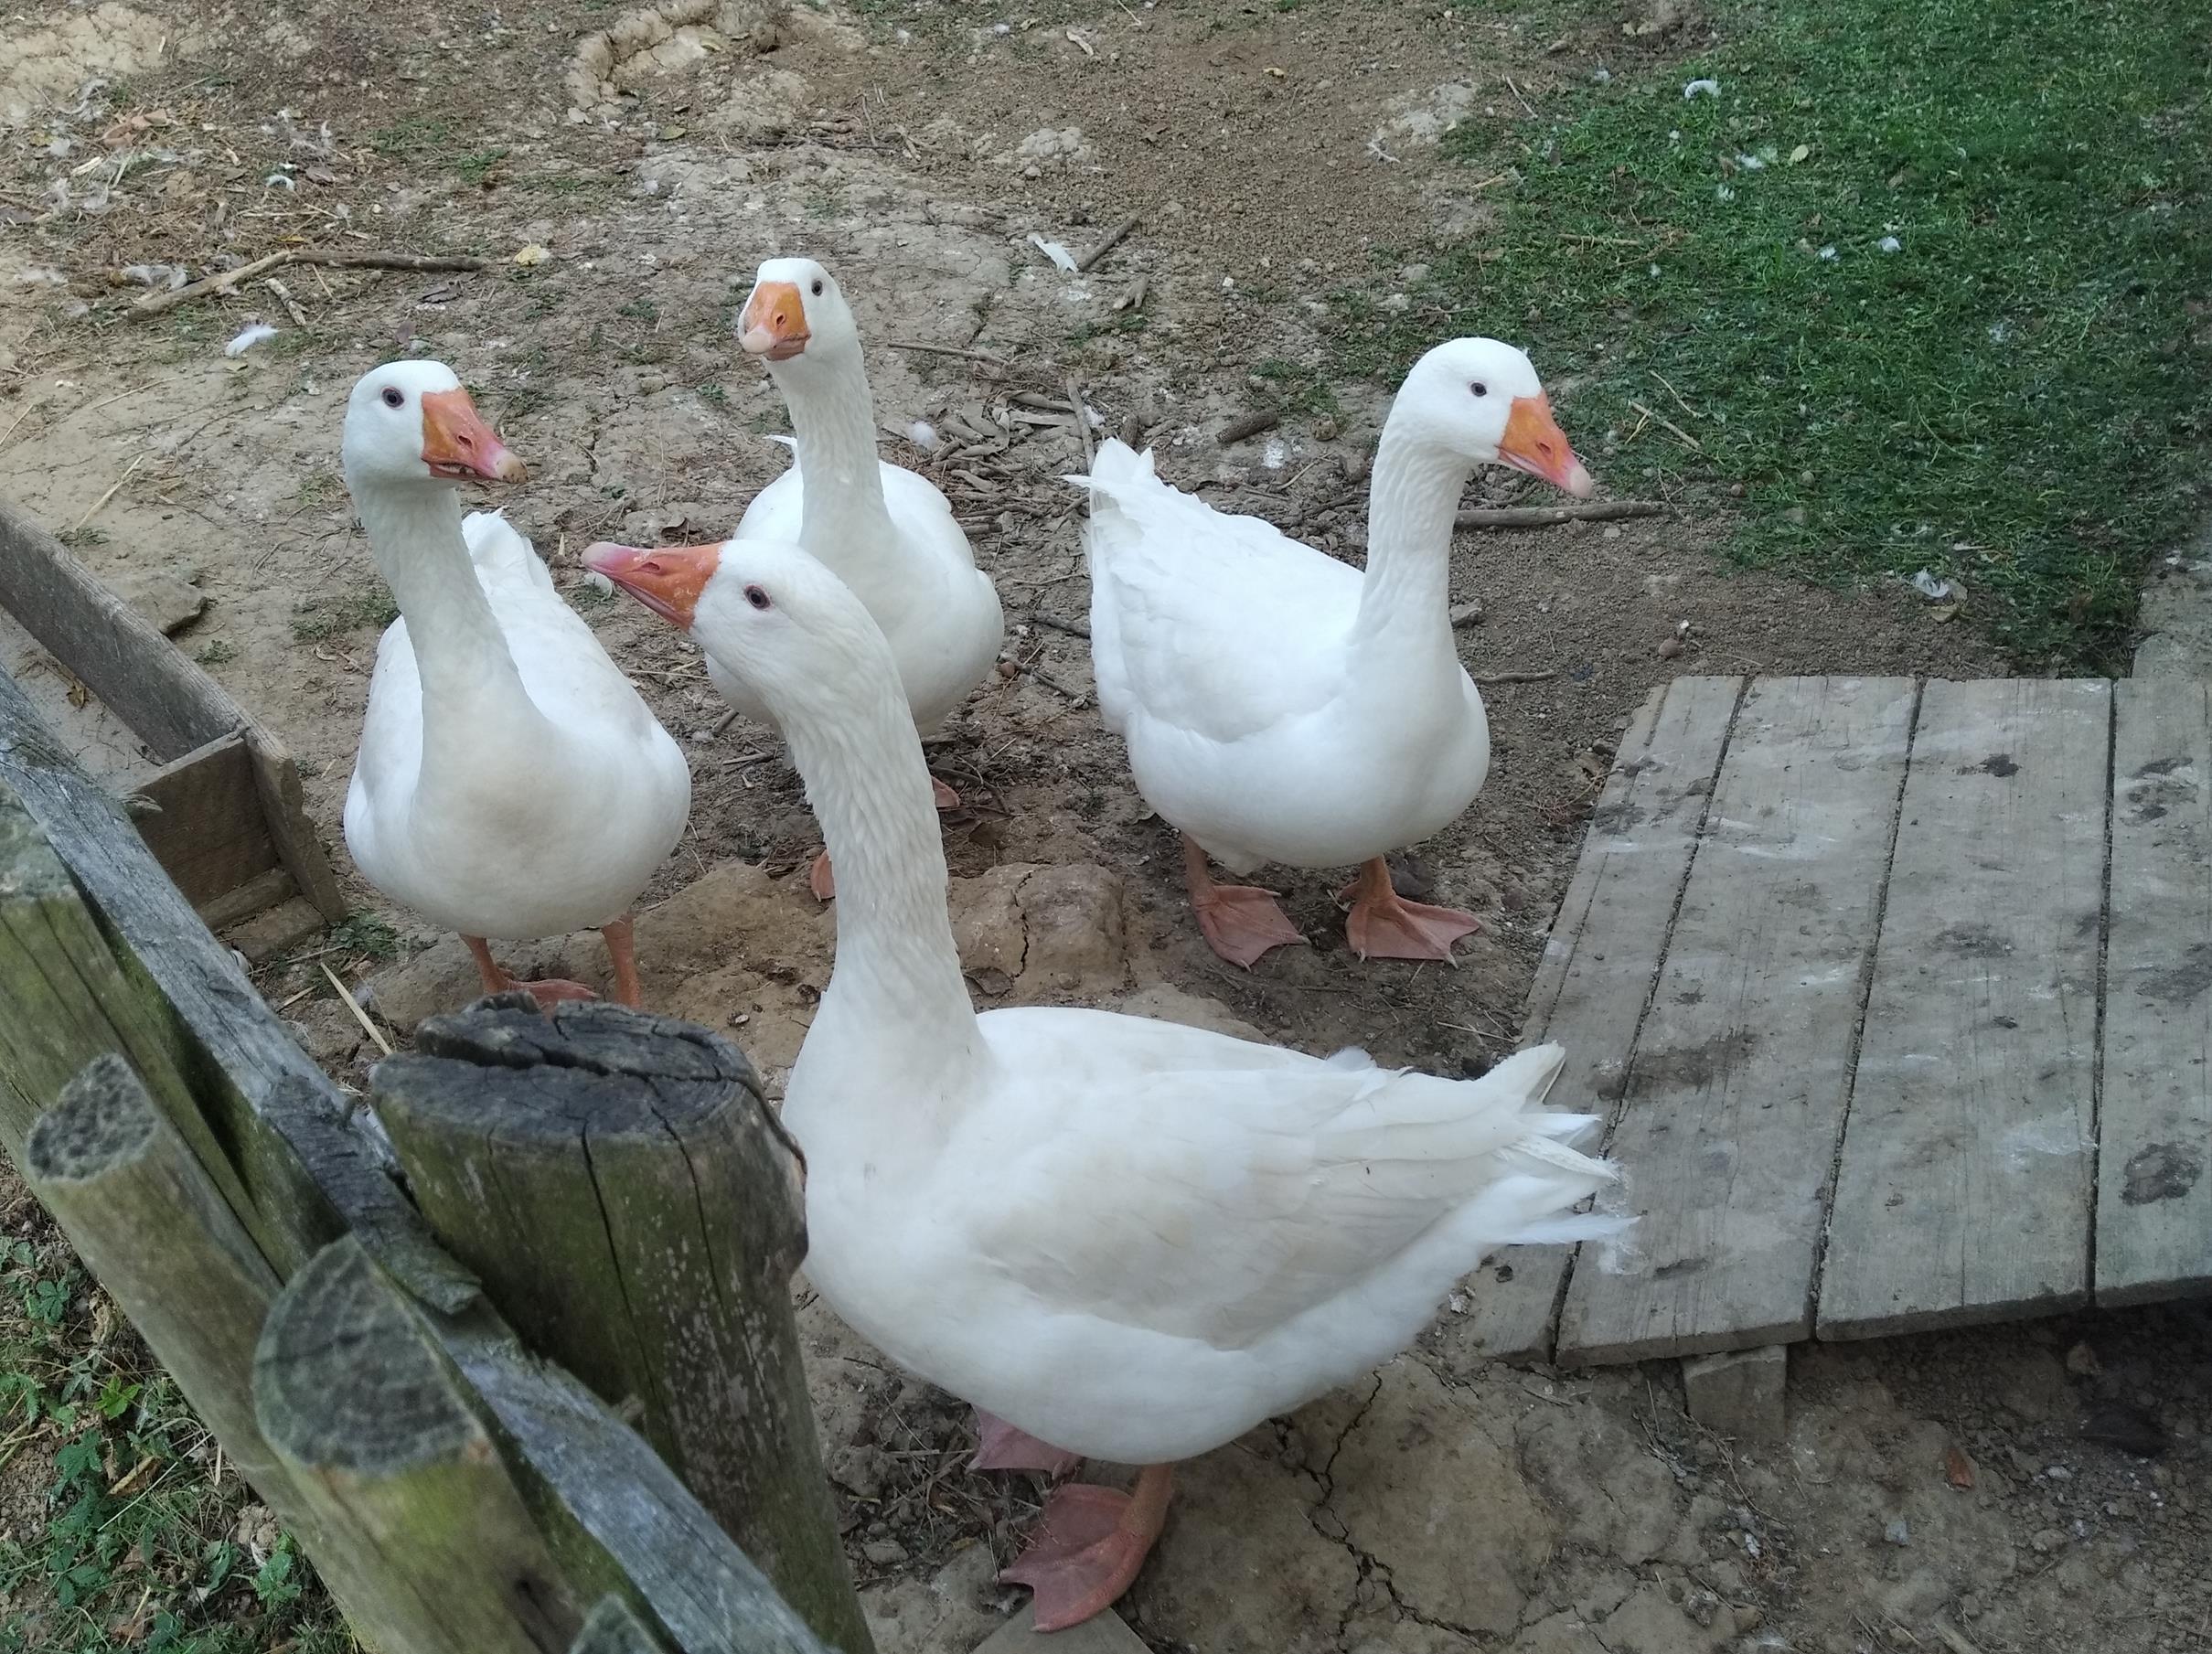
[621, 190]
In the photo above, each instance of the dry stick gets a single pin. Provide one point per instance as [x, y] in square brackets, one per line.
[36, 402]
[110, 495]
[360, 1016]
[1518, 98]
[284, 297]
[1251, 424]
[1694, 445]
[1071, 628]
[1083, 422]
[154, 304]
[1113, 238]
[1496, 678]
[972, 356]
[1545, 517]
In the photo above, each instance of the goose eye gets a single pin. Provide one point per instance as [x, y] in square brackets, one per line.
[392, 398]
[817, 289]
[756, 597]
[1480, 389]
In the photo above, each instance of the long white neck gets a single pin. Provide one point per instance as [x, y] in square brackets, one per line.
[1405, 601]
[843, 519]
[896, 984]
[472, 693]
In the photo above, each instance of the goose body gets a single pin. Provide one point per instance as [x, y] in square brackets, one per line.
[1282, 707]
[511, 781]
[1124, 1238]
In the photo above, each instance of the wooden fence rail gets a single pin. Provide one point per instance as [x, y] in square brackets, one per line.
[411, 1414]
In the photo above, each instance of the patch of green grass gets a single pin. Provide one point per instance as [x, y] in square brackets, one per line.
[220, 652]
[318, 489]
[136, 1548]
[1297, 389]
[2018, 393]
[366, 935]
[475, 168]
[640, 309]
[320, 618]
[413, 135]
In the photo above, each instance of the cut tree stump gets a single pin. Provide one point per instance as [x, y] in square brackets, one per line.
[634, 1210]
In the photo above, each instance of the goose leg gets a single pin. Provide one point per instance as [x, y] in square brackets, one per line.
[622, 948]
[1088, 1547]
[1384, 925]
[547, 993]
[1240, 922]
[1001, 1447]
[822, 880]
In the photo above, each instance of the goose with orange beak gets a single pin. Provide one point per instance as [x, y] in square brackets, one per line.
[510, 781]
[887, 533]
[1280, 705]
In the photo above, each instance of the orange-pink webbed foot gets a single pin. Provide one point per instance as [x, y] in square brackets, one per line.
[549, 993]
[1240, 922]
[1002, 1446]
[822, 879]
[1384, 925]
[1088, 1546]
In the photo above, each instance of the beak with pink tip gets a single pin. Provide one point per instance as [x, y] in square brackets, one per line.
[667, 578]
[1534, 443]
[459, 442]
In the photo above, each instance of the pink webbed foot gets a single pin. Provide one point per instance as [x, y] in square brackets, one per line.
[554, 991]
[1240, 922]
[1001, 1447]
[1088, 1548]
[549, 993]
[1384, 925]
[942, 795]
[821, 879]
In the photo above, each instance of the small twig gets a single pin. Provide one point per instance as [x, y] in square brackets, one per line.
[360, 1016]
[724, 721]
[1518, 98]
[1133, 298]
[1251, 424]
[28, 407]
[110, 495]
[284, 297]
[1083, 422]
[1546, 516]
[1516, 677]
[224, 281]
[1074, 628]
[971, 356]
[1675, 394]
[1112, 239]
[1692, 442]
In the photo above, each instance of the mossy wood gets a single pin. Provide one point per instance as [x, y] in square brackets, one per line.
[634, 1210]
[612, 1628]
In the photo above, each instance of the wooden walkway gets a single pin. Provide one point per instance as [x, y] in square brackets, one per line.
[1900, 997]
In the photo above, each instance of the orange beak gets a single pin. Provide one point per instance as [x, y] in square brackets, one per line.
[774, 324]
[457, 442]
[1534, 443]
[667, 578]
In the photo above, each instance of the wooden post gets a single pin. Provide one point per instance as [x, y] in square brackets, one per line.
[612, 1628]
[379, 1434]
[634, 1211]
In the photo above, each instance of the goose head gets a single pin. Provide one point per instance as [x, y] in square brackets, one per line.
[789, 631]
[797, 314]
[410, 422]
[1481, 398]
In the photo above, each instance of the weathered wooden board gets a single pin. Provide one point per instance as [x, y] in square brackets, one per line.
[2154, 1128]
[207, 828]
[1737, 1091]
[1964, 1192]
[1596, 980]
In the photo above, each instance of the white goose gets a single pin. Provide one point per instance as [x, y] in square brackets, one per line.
[887, 533]
[510, 781]
[1128, 1239]
[1281, 707]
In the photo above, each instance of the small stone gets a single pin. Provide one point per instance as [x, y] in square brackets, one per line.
[1898, 1532]
[1670, 649]
[2045, 1542]
[2081, 1361]
[1736, 491]
[1325, 429]
[883, 1552]
[170, 600]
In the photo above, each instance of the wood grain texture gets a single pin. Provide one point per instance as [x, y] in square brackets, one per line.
[612, 1628]
[387, 1444]
[1964, 1188]
[1735, 1095]
[634, 1210]
[144, 679]
[307, 1175]
[2154, 1125]
[1604, 954]
[207, 830]
[284, 810]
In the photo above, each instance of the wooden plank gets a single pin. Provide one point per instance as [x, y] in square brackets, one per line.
[143, 677]
[1596, 979]
[2154, 1120]
[206, 831]
[284, 809]
[1735, 1095]
[1963, 1190]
